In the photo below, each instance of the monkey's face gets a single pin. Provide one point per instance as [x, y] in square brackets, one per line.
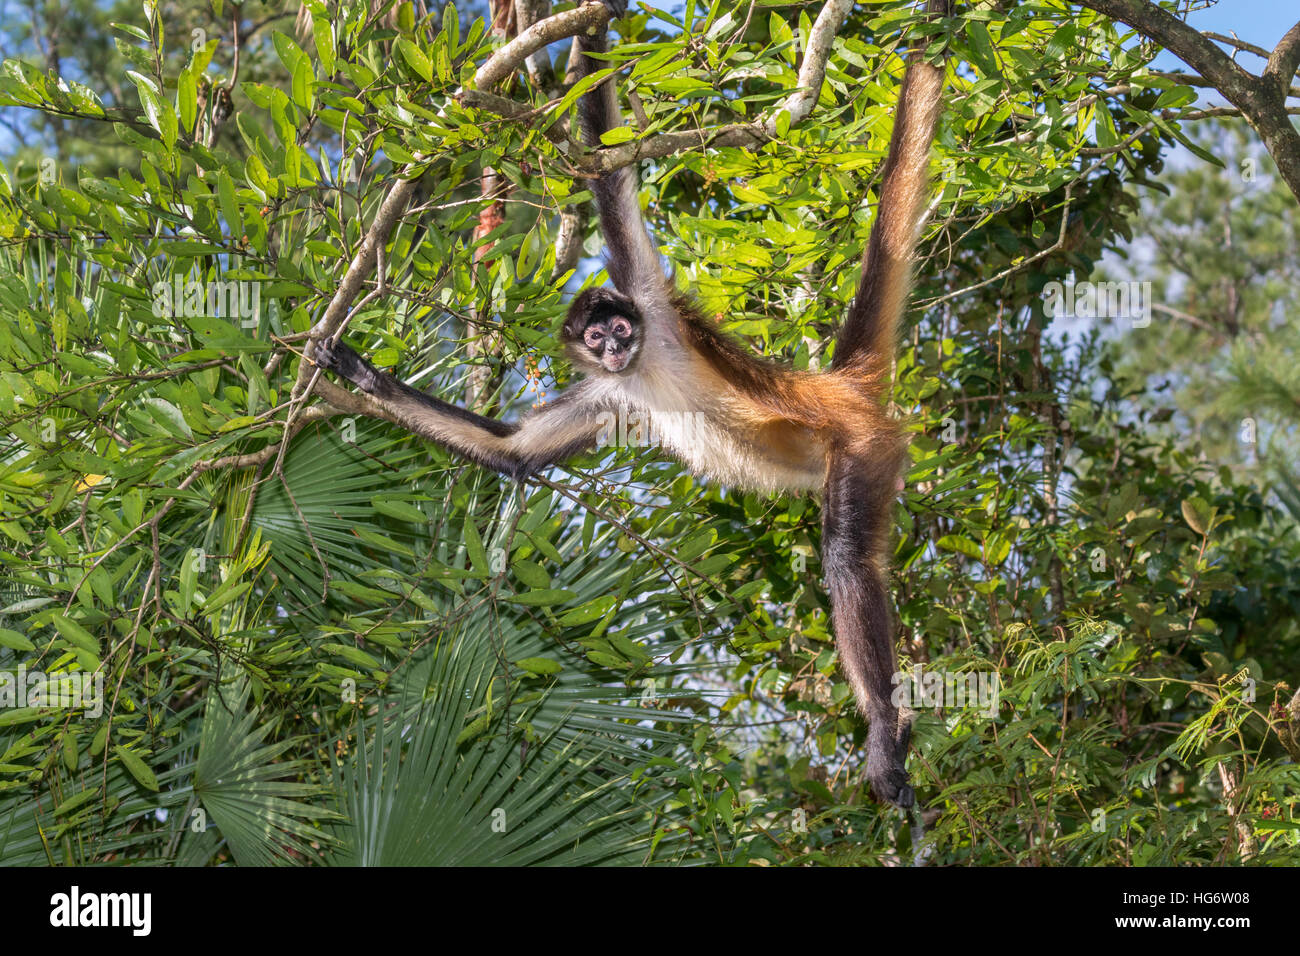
[611, 342]
[603, 331]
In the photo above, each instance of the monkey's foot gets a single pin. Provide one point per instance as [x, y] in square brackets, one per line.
[887, 743]
[342, 361]
[889, 784]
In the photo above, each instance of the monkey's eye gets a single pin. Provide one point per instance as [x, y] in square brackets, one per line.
[593, 336]
[621, 328]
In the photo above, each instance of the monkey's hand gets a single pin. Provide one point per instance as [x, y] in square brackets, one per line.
[346, 363]
[617, 8]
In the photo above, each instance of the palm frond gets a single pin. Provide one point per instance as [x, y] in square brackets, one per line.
[241, 782]
[427, 783]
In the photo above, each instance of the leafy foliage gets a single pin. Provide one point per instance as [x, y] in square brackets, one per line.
[321, 641]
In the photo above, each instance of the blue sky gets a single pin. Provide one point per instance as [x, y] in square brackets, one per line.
[1261, 22]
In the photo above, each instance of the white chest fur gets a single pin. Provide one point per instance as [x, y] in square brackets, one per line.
[673, 402]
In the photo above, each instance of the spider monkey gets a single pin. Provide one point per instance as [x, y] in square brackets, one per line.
[724, 413]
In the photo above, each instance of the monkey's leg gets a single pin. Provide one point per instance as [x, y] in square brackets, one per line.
[856, 514]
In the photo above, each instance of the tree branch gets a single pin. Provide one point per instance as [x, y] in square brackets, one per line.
[500, 65]
[1284, 60]
[813, 69]
[363, 261]
[510, 57]
[1261, 99]
[520, 113]
[749, 135]
[1191, 79]
[1238, 44]
[537, 63]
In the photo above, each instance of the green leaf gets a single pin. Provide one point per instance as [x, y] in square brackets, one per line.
[303, 88]
[415, 58]
[605, 659]
[158, 112]
[619, 134]
[593, 610]
[531, 574]
[474, 546]
[132, 30]
[981, 47]
[322, 30]
[189, 579]
[543, 597]
[354, 655]
[1197, 513]
[541, 666]
[102, 585]
[960, 544]
[76, 635]
[14, 640]
[77, 800]
[187, 97]
[137, 768]
[397, 508]
[289, 52]
[996, 549]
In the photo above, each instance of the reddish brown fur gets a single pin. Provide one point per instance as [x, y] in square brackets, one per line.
[843, 407]
[840, 415]
[840, 408]
[808, 428]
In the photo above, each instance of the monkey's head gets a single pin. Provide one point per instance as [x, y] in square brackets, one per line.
[603, 331]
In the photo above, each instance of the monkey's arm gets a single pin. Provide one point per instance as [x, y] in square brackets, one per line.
[559, 430]
[633, 260]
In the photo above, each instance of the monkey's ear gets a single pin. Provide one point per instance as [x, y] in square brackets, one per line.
[579, 315]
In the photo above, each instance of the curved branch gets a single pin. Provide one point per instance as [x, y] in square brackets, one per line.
[511, 57]
[813, 69]
[1261, 99]
[666, 144]
[1284, 60]
[812, 72]
[1189, 45]
[363, 262]
[537, 63]
[500, 65]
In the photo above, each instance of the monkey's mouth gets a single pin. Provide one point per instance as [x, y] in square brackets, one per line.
[616, 363]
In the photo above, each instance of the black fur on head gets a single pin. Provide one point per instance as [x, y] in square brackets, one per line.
[603, 331]
[594, 305]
